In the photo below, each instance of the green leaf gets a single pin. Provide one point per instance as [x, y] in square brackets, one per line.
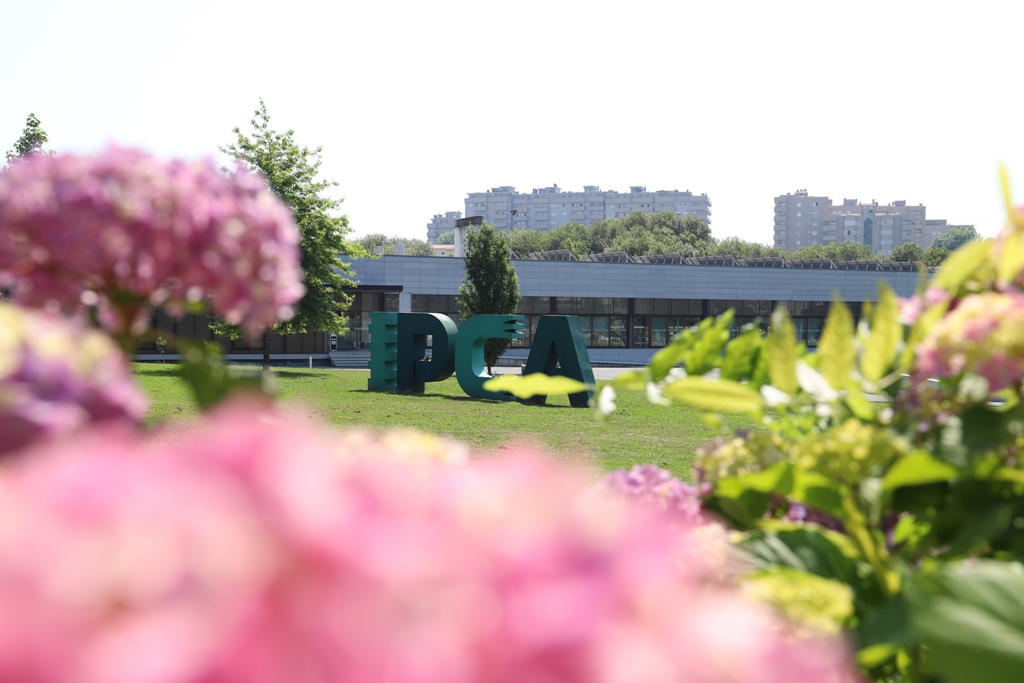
[835, 348]
[962, 264]
[886, 334]
[1011, 258]
[744, 499]
[817, 491]
[971, 620]
[858, 404]
[211, 381]
[673, 354]
[741, 355]
[707, 348]
[535, 384]
[805, 549]
[916, 468]
[717, 396]
[631, 379]
[782, 352]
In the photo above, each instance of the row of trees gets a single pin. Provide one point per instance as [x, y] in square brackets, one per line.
[643, 234]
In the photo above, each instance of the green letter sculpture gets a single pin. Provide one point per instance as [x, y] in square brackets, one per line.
[414, 368]
[559, 341]
[383, 352]
[469, 352]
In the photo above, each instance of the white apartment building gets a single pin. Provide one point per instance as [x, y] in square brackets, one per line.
[441, 223]
[802, 220]
[549, 207]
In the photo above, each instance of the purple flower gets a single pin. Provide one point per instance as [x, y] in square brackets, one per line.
[124, 231]
[56, 378]
[652, 486]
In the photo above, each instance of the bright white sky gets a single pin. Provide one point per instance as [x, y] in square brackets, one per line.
[418, 103]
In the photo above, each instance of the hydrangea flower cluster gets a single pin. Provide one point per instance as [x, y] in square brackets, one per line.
[983, 335]
[289, 563]
[56, 378]
[649, 485]
[124, 231]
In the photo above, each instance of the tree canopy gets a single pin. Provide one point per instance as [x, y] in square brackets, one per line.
[31, 142]
[907, 252]
[446, 237]
[291, 171]
[413, 247]
[955, 237]
[491, 285]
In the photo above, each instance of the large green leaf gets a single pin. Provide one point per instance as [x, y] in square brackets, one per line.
[835, 348]
[716, 396]
[211, 381]
[673, 354]
[782, 352]
[803, 548]
[1011, 258]
[915, 469]
[744, 499]
[535, 384]
[962, 264]
[741, 356]
[886, 334]
[971, 620]
[707, 348]
[631, 379]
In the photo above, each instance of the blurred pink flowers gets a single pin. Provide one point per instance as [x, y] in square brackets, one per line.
[56, 378]
[984, 335]
[251, 550]
[124, 231]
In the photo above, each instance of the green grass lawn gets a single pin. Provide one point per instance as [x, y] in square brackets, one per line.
[638, 432]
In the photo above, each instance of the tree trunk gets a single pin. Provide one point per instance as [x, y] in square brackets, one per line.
[266, 350]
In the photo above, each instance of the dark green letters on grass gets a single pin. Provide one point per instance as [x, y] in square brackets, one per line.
[399, 362]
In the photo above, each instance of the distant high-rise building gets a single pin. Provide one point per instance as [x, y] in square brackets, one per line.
[549, 207]
[802, 220]
[441, 223]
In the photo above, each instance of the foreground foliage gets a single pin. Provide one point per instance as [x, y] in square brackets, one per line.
[890, 464]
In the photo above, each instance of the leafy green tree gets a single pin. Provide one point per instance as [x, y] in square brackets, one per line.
[413, 247]
[956, 237]
[845, 251]
[291, 171]
[525, 241]
[734, 246]
[934, 256]
[446, 237]
[571, 236]
[31, 142]
[908, 252]
[491, 285]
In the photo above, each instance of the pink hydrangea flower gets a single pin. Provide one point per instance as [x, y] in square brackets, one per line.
[56, 378]
[984, 335]
[247, 551]
[124, 231]
[912, 307]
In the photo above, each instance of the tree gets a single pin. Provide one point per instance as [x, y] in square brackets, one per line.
[907, 252]
[935, 256]
[31, 142]
[291, 171]
[956, 237]
[525, 241]
[413, 247]
[491, 285]
[845, 251]
[446, 237]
